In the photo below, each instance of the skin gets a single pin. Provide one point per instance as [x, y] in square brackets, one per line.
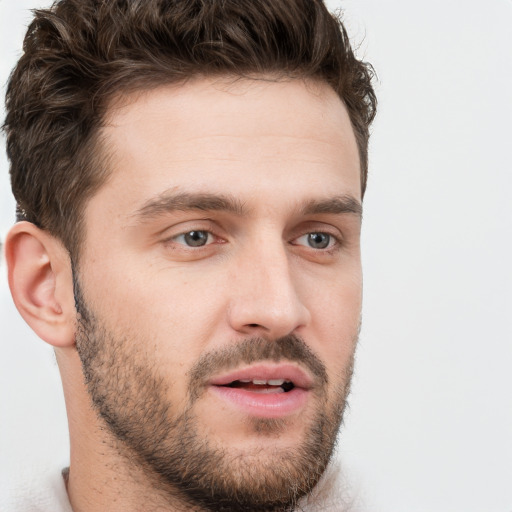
[276, 148]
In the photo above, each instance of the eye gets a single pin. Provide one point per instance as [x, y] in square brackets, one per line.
[194, 238]
[317, 240]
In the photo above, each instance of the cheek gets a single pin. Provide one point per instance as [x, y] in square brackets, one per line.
[335, 303]
[336, 317]
[173, 311]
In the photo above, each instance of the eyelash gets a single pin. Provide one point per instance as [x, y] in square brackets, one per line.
[208, 236]
[212, 238]
[334, 242]
[332, 245]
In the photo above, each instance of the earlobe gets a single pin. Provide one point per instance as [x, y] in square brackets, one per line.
[41, 284]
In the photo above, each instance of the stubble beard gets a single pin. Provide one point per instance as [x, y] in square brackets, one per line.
[129, 396]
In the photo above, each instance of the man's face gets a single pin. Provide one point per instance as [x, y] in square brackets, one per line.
[219, 286]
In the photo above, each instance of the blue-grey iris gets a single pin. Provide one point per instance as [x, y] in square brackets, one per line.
[319, 240]
[196, 238]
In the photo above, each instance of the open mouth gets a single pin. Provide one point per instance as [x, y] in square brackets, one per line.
[266, 390]
[265, 378]
[263, 386]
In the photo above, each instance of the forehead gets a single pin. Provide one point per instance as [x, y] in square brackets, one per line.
[229, 136]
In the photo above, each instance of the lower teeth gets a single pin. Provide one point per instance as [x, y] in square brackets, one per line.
[268, 390]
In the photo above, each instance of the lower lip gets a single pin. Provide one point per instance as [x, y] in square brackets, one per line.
[263, 405]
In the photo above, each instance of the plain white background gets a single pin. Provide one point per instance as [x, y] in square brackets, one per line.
[430, 422]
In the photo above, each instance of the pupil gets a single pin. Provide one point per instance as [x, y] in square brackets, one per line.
[196, 238]
[319, 240]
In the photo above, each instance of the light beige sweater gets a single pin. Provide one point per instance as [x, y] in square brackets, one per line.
[42, 489]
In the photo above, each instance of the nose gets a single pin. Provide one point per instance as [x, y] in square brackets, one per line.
[266, 299]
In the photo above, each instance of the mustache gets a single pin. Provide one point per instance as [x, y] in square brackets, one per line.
[289, 348]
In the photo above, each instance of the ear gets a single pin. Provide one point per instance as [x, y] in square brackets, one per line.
[41, 283]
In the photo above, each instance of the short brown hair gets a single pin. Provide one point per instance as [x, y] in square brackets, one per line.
[79, 54]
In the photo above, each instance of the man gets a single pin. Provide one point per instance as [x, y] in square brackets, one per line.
[189, 178]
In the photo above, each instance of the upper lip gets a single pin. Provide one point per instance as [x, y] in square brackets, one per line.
[287, 371]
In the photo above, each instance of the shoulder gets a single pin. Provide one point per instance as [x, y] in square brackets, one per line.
[35, 489]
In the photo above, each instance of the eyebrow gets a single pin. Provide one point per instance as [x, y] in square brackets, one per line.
[334, 205]
[168, 202]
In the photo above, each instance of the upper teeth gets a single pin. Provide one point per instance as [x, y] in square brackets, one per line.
[261, 382]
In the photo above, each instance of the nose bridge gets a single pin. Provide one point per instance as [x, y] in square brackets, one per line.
[267, 297]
